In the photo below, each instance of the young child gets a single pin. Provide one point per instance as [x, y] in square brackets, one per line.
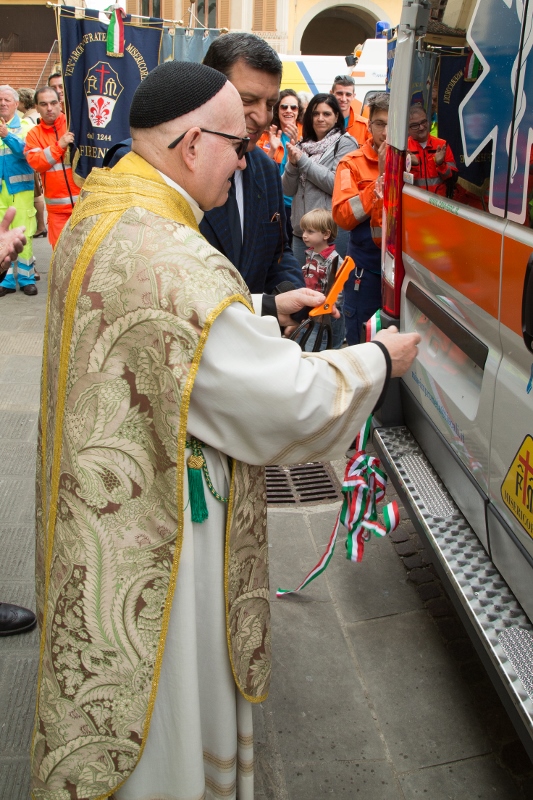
[319, 231]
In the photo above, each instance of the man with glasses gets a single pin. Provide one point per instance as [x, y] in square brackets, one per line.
[432, 162]
[164, 396]
[344, 90]
[357, 206]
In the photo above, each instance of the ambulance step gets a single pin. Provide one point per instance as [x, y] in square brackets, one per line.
[486, 603]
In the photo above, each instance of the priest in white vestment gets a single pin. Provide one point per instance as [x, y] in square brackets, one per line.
[158, 379]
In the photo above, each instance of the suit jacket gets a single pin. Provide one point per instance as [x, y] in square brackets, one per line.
[266, 258]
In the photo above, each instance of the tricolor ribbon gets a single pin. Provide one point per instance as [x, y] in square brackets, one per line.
[115, 31]
[363, 488]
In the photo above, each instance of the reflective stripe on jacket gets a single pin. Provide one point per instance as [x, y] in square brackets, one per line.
[427, 174]
[14, 169]
[353, 192]
[47, 157]
[355, 206]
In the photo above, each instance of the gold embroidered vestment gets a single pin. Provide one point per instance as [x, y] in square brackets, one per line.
[134, 290]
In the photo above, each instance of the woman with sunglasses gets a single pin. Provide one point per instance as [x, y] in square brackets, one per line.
[286, 127]
[310, 172]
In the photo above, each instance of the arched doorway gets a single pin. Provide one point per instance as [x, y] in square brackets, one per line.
[336, 31]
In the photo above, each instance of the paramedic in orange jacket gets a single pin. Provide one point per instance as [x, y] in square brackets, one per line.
[47, 153]
[357, 126]
[357, 206]
[432, 161]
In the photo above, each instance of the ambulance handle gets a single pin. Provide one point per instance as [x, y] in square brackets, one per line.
[465, 340]
[527, 306]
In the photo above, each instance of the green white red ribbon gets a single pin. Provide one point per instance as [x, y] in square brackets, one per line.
[363, 488]
[115, 31]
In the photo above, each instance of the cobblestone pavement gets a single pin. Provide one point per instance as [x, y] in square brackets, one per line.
[376, 692]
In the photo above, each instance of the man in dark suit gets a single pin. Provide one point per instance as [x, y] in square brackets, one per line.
[250, 228]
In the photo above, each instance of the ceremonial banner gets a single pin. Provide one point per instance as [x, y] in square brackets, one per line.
[99, 86]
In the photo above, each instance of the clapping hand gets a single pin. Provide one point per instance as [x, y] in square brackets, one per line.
[295, 153]
[274, 136]
[440, 154]
[3, 128]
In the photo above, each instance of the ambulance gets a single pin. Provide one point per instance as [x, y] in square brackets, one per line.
[317, 73]
[456, 432]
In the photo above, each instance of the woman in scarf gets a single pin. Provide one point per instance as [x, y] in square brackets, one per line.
[310, 172]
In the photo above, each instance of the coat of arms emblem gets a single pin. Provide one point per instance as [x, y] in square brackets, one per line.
[102, 88]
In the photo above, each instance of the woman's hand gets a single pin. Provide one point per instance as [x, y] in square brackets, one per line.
[274, 135]
[295, 153]
[292, 132]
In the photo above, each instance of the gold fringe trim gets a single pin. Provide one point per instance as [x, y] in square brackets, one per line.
[218, 789]
[245, 741]
[223, 764]
[245, 767]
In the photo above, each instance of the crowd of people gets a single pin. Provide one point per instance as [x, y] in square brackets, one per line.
[164, 397]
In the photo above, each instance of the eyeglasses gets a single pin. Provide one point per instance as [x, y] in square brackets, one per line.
[380, 125]
[415, 126]
[344, 78]
[241, 149]
[285, 106]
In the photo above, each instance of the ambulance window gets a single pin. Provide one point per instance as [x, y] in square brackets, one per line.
[456, 75]
[469, 119]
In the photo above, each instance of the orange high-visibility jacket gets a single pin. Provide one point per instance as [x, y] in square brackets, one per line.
[354, 199]
[46, 156]
[427, 174]
[357, 126]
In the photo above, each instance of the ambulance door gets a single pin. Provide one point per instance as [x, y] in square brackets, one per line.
[510, 513]
[452, 252]
[452, 258]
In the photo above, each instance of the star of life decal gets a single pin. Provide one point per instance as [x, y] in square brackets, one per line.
[486, 113]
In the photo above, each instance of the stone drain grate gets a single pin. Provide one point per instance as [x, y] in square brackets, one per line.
[302, 484]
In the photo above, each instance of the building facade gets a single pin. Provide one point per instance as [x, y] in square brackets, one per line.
[321, 27]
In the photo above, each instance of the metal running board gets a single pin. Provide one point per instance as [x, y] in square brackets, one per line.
[481, 594]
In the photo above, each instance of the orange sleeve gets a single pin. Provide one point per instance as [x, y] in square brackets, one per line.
[41, 159]
[353, 198]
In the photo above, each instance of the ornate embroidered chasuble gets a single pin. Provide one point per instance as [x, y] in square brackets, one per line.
[134, 290]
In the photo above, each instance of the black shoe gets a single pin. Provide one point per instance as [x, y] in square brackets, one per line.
[30, 289]
[15, 619]
[4, 290]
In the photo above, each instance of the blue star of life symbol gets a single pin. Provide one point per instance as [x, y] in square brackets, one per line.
[503, 90]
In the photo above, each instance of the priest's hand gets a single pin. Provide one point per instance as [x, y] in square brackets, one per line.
[11, 242]
[402, 348]
[288, 303]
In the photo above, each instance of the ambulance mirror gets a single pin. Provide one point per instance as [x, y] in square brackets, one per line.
[527, 306]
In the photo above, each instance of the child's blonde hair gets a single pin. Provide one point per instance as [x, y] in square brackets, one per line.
[319, 219]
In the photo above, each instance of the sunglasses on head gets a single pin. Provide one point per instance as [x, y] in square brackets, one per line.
[241, 149]
[344, 78]
[285, 106]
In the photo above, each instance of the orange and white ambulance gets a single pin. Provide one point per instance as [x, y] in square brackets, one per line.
[457, 435]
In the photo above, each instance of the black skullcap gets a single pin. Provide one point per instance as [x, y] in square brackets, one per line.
[171, 90]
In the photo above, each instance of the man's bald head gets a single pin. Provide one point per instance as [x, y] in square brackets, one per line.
[202, 163]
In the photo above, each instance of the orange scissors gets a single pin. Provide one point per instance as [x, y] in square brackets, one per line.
[321, 315]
